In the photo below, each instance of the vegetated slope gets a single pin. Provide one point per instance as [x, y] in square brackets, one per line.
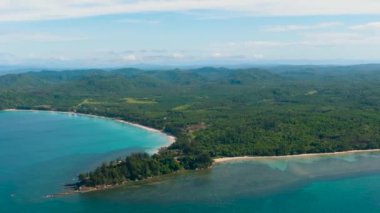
[222, 112]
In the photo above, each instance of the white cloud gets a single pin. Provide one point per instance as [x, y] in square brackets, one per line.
[178, 55]
[367, 26]
[129, 58]
[258, 56]
[139, 21]
[216, 55]
[340, 39]
[311, 46]
[133, 56]
[257, 44]
[22, 10]
[285, 28]
[37, 37]
[309, 39]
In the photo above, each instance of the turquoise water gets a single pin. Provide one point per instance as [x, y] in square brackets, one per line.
[41, 151]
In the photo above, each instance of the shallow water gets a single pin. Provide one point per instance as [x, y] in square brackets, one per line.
[41, 151]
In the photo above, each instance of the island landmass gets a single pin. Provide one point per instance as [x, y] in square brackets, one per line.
[213, 112]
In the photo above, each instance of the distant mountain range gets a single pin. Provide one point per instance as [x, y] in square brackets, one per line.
[13, 69]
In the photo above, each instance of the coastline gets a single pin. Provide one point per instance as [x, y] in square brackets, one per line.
[170, 138]
[249, 158]
[229, 160]
[86, 189]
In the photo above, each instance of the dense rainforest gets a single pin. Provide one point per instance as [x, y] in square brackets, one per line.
[213, 112]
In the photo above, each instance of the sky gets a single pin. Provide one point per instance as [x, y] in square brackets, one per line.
[115, 33]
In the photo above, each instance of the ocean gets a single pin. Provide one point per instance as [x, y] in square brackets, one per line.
[40, 152]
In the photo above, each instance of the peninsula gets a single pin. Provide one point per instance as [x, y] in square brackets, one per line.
[213, 112]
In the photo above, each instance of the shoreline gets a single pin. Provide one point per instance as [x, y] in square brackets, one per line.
[216, 162]
[170, 138]
[249, 158]
[100, 188]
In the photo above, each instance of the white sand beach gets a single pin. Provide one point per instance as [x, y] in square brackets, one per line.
[245, 158]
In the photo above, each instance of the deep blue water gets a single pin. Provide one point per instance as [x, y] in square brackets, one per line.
[41, 151]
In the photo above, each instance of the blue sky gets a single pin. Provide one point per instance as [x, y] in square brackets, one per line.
[95, 33]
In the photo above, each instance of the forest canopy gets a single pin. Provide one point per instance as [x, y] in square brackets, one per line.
[274, 110]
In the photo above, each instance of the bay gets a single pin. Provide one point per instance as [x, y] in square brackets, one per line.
[41, 151]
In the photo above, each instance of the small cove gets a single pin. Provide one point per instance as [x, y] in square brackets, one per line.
[42, 151]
